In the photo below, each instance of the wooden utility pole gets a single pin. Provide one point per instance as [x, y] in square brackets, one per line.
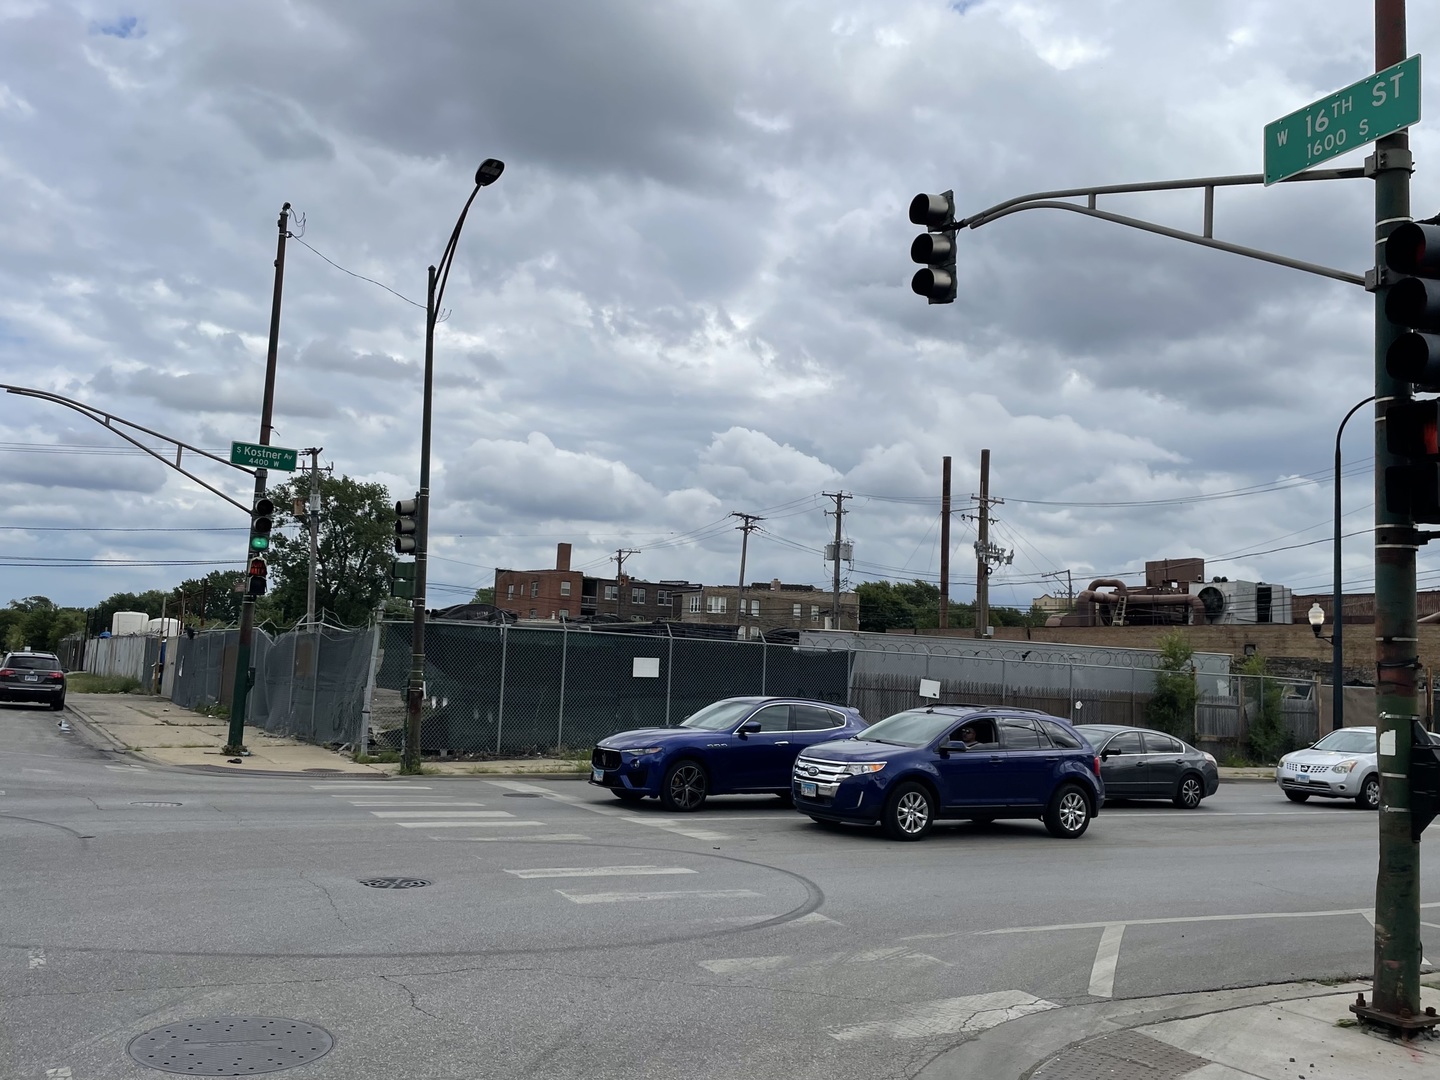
[748, 522]
[312, 524]
[982, 550]
[945, 542]
[839, 512]
[621, 554]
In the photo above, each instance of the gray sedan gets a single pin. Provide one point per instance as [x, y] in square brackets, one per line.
[1138, 763]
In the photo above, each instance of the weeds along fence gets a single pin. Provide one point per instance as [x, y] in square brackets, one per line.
[513, 690]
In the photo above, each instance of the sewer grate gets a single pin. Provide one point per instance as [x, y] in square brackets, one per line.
[396, 882]
[156, 804]
[522, 795]
[231, 1046]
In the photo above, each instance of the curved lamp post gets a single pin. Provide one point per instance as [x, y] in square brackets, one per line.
[488, 172]
[1337, 603]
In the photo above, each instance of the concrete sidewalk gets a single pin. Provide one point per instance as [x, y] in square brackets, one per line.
[157, 730]
[1293, 1031]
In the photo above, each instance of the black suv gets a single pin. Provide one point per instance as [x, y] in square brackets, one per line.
[33, 676]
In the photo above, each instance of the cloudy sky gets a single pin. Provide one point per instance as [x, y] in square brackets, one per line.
[689, 293]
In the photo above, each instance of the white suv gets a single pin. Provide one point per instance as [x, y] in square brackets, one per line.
[1342, 765]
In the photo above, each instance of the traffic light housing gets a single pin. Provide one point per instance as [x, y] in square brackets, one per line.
[262, 520]
[1412, 428]
[1424, 780]
[406, 524]
[402, 579]
[257, 576]
[934, 248]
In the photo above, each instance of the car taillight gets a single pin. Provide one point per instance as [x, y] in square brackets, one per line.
[5, 673]
[1095, 765]
[57, 675]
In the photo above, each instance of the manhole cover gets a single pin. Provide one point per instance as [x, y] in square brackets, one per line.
[522, 795]
[156, 804]
[395, 882]
[231, 1046]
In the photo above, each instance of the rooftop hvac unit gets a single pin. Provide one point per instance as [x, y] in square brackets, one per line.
[1228, 602]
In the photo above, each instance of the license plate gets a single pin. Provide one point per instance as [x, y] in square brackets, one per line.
[32, 678]
[597, 774]
[807, 788]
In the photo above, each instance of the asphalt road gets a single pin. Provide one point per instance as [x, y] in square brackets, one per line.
[563, 934]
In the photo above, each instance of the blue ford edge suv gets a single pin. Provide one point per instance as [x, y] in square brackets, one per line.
[953, 761]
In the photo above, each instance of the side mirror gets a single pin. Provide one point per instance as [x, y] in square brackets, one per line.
[749, 727]
[1106, 754]
[956, 747]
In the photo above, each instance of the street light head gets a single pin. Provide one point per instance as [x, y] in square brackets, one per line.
[1316, 615]
[489, 171]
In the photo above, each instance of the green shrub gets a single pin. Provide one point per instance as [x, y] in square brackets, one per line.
[1171, 707]
[1268, 739]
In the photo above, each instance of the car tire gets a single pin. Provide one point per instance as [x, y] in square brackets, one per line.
[909, 812]
[1298, 796]
[1190, 793]
[685, 786]
[1068, 815]
[627, 796]
[58, 703]
[786, 798]
[1369, 797]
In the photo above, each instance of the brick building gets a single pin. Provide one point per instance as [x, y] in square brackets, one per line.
[768, 606]
[563, 594]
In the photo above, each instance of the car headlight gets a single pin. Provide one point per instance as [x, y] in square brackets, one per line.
[641, 751]
[1344, 766]
[862, 768]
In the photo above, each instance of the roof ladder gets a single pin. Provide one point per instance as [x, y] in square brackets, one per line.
[1118, 619]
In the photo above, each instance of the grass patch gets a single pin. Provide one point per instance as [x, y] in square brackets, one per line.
[216, 710]
[384, 757]
[83, 682]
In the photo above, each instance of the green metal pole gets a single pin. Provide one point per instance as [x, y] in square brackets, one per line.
[1397, 887]
[240, 692]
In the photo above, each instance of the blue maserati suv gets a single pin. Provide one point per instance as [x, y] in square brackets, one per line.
[740, 745]
[979, 762]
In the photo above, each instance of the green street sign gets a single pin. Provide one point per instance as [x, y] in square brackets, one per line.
[255, 456]
[1370, 109]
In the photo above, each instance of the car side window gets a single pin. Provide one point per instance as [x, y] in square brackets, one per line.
[1162, 744]
[1017, 734]
[1060, 735]
[773, 718]
[813, 718]
[1127, 742]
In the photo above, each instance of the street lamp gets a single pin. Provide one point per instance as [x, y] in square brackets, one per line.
[1337, 603]
[488, 172]
[1316, 615]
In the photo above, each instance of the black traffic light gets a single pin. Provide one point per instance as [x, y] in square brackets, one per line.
[405, 525]
[1424, 780]
[262, 519]
[934, 248]
[1412, 430]
[1413, 303]
[257, 577]
[402, 579]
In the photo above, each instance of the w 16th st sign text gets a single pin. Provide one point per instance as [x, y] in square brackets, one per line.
[1375, 107]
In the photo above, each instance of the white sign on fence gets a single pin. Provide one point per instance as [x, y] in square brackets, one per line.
[930, 688]
[646, 667]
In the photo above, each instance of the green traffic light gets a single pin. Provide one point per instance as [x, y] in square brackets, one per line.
[259, 543]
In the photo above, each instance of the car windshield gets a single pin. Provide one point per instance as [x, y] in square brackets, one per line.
[32, 663]
[1093, 735]
[722, 716]
[910, 728]
[1348, 742]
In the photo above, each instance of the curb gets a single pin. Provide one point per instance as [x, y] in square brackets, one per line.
[95, 733]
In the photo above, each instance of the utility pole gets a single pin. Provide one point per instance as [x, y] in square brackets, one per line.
[621, 554]
[1396, 989]
[748, 522]
[312, 524]
[982, 550]
[839, 514]
[235, 743]
[945, 542]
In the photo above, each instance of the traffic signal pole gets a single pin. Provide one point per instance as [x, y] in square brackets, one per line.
[1396, 989]
[235, 743]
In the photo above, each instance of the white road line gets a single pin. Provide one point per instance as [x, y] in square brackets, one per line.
[1121, 815]
[950, 1016]
[813, 917]
[61, 1073]
[37, 958]
[370, 785]
[398, 803]
[1369, 914]
[492, 824]
[736, 965]
[1184, 919]
[607, 811]
[50, 772]
[123, 768]
[528, 838]
[636, 897]
[1102, 973]
[441, 813]
[598, 871]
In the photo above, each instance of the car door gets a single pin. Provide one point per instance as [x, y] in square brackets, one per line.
[762, 760]
[1122, 765]
[809, 726]
[967, 776]
[1027, 761]
[1164, 762]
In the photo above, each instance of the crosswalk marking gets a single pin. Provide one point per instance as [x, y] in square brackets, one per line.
[598, 871]
[452, 824]
[441, 813]
[123, 768]
[740, 965]
[693, 832]
[678, 894]
[528, 838]
[949, 1016]
[744, 965]
[398, 803]
[370, 785]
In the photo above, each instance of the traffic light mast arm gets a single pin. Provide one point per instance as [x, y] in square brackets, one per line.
[109, 420]
[1053, 200]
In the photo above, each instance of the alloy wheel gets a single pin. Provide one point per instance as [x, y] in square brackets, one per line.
[912, 812]
[1191, 792]
[687, 787]
[1072, 811]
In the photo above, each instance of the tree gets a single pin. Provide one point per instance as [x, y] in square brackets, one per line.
[354, 550]
[36, 623]
[1171, 707]
[1268, 737]
[484, 595]
[915, 605]
[209, 601]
